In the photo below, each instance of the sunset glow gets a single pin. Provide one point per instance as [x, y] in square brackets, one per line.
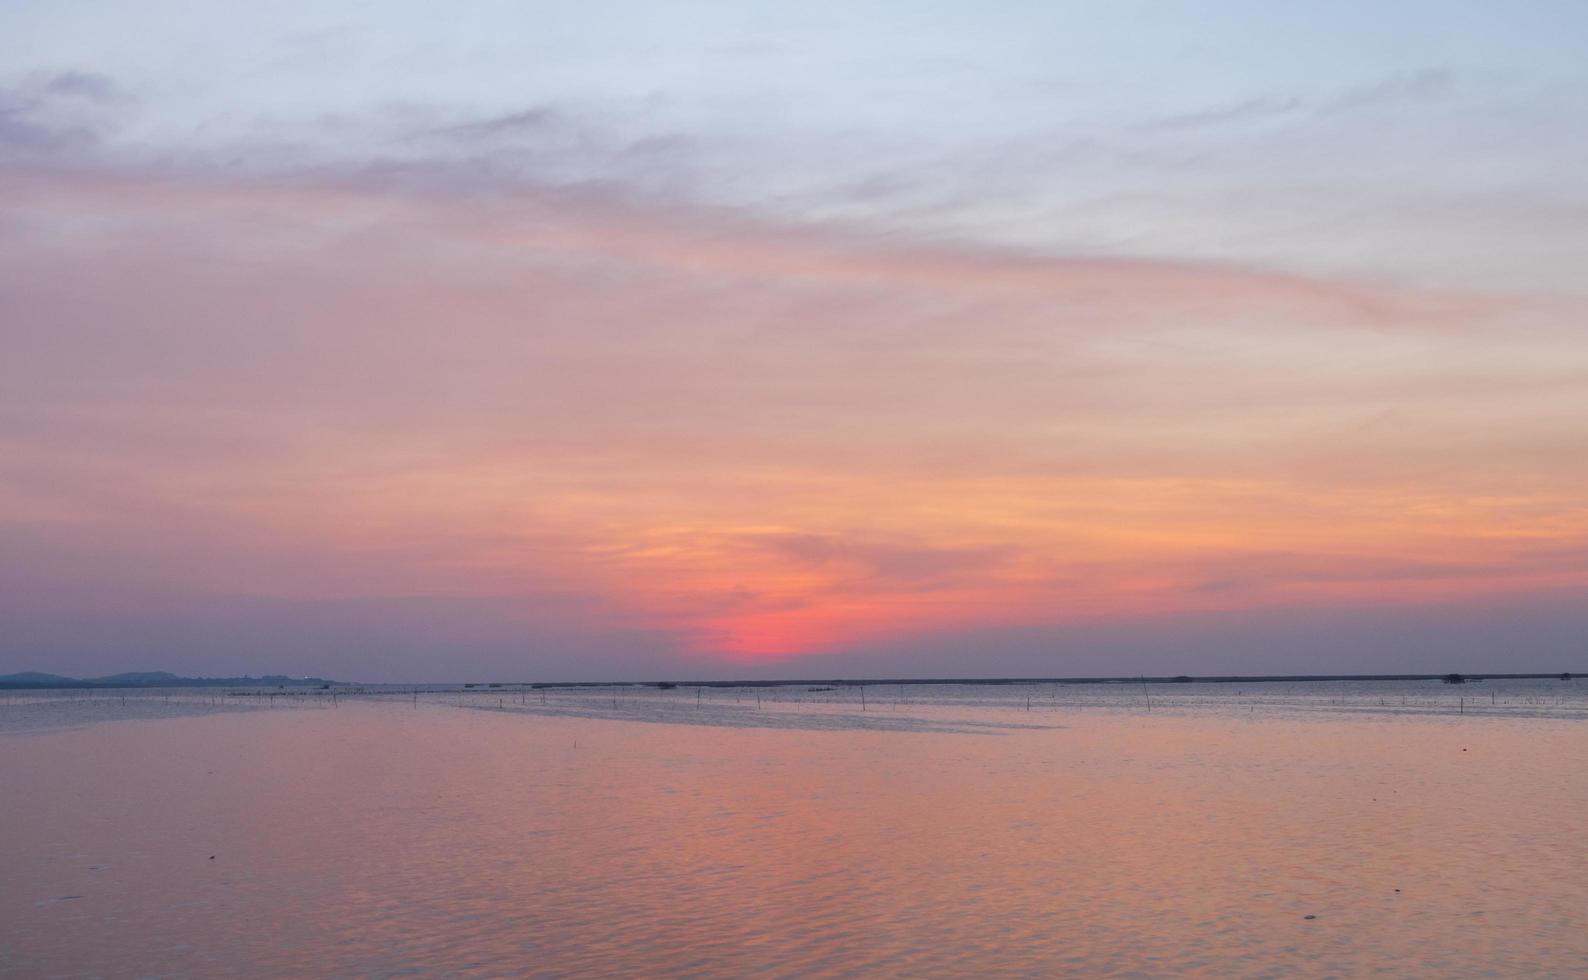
[553, 383]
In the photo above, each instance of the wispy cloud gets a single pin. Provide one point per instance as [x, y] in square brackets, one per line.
[1400, 90]
[634, 343]
[755, 440]
[52, 113]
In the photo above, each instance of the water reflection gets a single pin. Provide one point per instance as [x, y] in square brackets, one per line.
[404, 837]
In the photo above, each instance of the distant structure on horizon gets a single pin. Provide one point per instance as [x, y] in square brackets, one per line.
[156, 678]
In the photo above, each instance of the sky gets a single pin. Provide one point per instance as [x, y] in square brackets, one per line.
[640, 340]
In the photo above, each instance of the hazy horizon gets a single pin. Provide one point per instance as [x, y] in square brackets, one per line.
[745, 341]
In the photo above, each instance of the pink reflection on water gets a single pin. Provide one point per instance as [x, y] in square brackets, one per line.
[378, 839]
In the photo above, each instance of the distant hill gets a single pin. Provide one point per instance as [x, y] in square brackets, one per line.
[144, 678]
[32, 678]
[156, 678]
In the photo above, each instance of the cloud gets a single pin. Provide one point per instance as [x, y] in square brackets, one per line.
[46, 115]
[91, 86]
[359, 324]
[534, 122]
[1537, 632]
[1422, 87]
[868, 565]
[1247, 110]
[730, 437]
[1415, 88]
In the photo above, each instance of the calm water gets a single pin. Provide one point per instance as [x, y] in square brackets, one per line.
[937, 831]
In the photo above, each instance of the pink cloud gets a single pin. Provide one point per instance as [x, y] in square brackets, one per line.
[758, 440]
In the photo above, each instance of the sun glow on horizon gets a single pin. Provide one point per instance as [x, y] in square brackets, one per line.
[603, 381]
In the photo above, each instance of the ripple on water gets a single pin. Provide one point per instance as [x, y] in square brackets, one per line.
[385, 838]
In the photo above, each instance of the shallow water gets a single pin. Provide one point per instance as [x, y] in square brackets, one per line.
[937, 832]
[27, 712]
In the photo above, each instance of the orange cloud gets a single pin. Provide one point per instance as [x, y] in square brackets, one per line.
[766, 441]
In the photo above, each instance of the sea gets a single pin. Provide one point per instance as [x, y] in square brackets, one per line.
[1323, 829]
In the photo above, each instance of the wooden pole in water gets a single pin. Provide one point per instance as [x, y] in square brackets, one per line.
[1144, 692]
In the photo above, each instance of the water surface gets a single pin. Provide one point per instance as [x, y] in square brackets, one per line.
[935, 832]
